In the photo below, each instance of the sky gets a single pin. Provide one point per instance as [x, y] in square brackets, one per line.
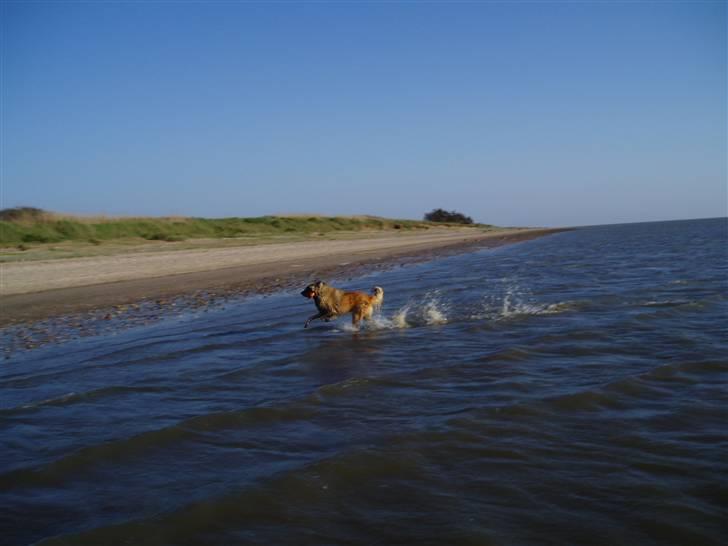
[514, 113]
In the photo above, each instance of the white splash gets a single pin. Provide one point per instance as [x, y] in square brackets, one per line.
[514, 303]
[433, 314]
[399, 320]
[428, 311]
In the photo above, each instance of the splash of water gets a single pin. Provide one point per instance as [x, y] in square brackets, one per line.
[434, 309]
[399, 320]
[514, 302]
[433, 314]
[429, 311]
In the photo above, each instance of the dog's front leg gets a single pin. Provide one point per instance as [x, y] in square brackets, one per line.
[314, 317]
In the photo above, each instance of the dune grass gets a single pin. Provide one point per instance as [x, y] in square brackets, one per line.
[26, 226]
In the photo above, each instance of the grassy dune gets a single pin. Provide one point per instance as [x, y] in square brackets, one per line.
[23, 227]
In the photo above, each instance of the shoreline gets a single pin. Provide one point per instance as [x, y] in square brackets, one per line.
[35, 318]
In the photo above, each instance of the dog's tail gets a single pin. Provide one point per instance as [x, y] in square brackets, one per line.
[377, 297]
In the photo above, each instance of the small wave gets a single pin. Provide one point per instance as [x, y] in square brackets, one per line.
[642, 386]
[355, 384]
[510, 354]
[248, 417]
[121, 449]
[535, 309]
[686, 372]
[89, 396]
[53, 401]
[665, 303]
[636, 388]
[300, 490]
[589, 400]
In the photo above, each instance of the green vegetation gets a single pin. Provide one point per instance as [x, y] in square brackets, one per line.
[453, 217]
[20, 227]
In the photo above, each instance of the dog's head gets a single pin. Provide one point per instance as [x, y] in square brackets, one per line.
[313, 289]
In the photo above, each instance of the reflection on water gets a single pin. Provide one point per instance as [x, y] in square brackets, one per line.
[567, 390]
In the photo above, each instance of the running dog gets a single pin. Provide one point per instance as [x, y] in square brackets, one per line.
[332, 302]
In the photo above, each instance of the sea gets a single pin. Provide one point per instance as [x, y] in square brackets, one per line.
[568, 390]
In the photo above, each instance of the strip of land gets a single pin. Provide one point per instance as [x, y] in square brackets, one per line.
[39, 290]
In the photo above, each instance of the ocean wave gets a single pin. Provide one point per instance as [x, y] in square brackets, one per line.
[355, 384]
[665, 303]
[116, 451]
[83, 397]
[266, 512]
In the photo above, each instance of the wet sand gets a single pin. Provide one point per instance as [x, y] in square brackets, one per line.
[50, 300]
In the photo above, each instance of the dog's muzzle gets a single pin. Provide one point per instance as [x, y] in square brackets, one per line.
[308, 293]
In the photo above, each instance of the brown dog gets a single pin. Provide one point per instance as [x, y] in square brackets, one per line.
[332, 302]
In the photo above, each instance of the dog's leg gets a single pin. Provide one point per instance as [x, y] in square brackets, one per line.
[314, 317]
[356, 316]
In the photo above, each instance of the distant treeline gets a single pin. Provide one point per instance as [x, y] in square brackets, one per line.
[32, 225]
[441, 215]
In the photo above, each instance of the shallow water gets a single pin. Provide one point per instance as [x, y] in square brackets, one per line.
[567, 390]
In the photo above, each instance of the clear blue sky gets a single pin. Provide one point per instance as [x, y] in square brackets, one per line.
[515, 113]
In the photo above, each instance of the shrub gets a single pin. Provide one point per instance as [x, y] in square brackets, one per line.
[440, 215]
[18, 214]
[40, 238]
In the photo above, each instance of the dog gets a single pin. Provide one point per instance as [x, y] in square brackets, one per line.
[332, 302]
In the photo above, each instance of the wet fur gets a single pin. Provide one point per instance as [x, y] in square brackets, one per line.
[332, 302]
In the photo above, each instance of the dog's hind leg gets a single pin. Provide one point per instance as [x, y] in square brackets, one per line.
[356, 317]
[362, 312]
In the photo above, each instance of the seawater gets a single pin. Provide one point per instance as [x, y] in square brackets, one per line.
[567, 390]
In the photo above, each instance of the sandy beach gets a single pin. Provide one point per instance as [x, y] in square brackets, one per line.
[37, 290]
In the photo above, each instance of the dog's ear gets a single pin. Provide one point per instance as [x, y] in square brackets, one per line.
[319, 284]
